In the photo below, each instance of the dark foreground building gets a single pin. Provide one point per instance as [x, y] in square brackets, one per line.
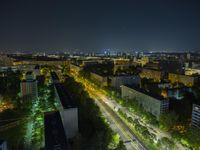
[55, 138]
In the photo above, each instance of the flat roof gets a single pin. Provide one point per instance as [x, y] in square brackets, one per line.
[65, 99]
[55, 137]
[156, 96]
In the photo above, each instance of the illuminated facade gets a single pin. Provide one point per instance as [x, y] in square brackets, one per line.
[156, 105]
[121, 64]
[184, 79]
[29, 90]
[156, 75]
[74, 68]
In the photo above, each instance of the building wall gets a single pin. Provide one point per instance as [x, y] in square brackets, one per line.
[29, 90]
[100, 80]
[69, 117]
[196, 115]
[186, 80]
[32, 62]
[117, 81]
[150, 104]
[75, 68]
[190, 71]
[70, 121]
[151, 74]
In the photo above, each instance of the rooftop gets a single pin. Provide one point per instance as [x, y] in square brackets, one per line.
[55, 137]
[156, 96]
[65, 99]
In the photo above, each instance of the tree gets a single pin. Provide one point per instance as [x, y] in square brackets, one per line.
[192, 138]
[168, 120]
[166, 143]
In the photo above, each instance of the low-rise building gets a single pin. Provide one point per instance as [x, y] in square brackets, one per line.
[75, 68]
[177, 93]
[142, 61]
[117, 81]
[156, 75]
[101, 80]
[156, 105]
[121, 64]
[184, 79]
[196, 115]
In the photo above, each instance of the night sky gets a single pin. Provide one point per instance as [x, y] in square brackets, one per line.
[99, 24]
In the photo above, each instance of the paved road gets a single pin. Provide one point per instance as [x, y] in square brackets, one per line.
[116, 127]
[117, 124]
[135, 142]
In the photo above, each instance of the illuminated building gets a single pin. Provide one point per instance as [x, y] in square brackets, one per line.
[177, 93]
[142, 61]
[196, 115]
[154, 104]
[184, 79]
[121, 64]
[29, 90]
[156, 75]
[75, 68]
[5, 60]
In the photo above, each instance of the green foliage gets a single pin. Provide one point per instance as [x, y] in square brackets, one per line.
[166, 144]
[191, 138]
[168, 120]
[10, 85]
[94, 132]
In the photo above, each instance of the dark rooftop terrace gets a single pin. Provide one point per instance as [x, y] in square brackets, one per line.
[65, 99]
[156, 96]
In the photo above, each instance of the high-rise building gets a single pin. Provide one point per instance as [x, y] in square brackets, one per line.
[196, 115]
[29, 90]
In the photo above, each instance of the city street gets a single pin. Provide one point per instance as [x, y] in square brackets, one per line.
[116, 123]
[113, 105]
